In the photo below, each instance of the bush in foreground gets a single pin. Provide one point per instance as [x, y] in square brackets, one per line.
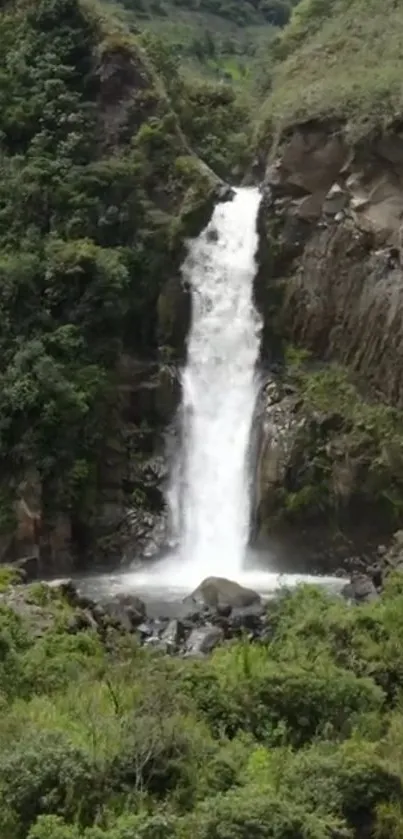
[288, 739]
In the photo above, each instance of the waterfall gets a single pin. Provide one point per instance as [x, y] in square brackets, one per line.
[211, 488]
[210, 492]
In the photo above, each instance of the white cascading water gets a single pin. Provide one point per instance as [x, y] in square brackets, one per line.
[210, 486]
[219, 392]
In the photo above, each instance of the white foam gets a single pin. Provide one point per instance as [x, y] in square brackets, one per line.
[169, 579]
[210, 490]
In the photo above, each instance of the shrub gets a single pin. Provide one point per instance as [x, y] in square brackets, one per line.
[46, 774]
[277, 702]
[58, 657]
[53, 827]
[309, 625]
[9, 576]
[141, 826]
[13, 642]
[257, 812]
[350, 781]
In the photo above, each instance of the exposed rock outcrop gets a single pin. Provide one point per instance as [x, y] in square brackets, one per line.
[330, 281]
[189, 633]
[126, 93]
[360, 589]
[331, 222]
[280, 427]
[328, 465]
[131, 517]
[31, 540]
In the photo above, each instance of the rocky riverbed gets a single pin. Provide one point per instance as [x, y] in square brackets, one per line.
[217, 611]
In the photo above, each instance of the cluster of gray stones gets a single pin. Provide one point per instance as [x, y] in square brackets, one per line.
[367, 580]
[218, 610]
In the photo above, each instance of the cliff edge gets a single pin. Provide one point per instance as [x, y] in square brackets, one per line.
[331, 278]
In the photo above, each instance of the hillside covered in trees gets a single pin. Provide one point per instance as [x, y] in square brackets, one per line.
[110, 157]
[98, 187]
[212, 39]
[112, 153]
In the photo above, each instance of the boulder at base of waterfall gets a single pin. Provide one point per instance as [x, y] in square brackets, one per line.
[219, 593]
[125, 610]
[248, 617]
[173, 635]
[202, 640]
[361, 589]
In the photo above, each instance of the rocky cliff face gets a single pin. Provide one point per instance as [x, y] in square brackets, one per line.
[331, 283]
[334, 215]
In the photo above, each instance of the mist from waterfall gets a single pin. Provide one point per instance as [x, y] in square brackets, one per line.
[210, 488]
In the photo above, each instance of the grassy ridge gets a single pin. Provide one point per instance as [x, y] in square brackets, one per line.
[341, 59]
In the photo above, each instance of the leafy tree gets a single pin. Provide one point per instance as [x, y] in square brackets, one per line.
[90, 222]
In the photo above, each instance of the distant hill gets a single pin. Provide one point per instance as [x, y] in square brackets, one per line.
[216, 38]
[244, 13]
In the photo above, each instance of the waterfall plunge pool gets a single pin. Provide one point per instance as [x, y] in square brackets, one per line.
[165, 583]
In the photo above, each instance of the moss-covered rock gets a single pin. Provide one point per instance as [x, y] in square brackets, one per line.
[327, 453]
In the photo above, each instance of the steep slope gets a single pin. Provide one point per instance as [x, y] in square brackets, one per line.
[331, 274]
[98, 188]
[340, 60]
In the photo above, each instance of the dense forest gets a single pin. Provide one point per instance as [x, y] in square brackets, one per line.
[95, 200]
[111, 156]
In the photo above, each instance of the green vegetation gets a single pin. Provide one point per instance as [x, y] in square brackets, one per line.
[217, 126]
[339, 60]
[298, 737]
[95, 198]
[8, 576]
[349, 452]
[213, 37]
[214, 119]
[104, 133]
[247, 12]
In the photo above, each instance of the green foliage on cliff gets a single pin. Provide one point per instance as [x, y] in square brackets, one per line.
[97, 186]
[215, 121]
[297, 737]
[349, 455]
[340, 60]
